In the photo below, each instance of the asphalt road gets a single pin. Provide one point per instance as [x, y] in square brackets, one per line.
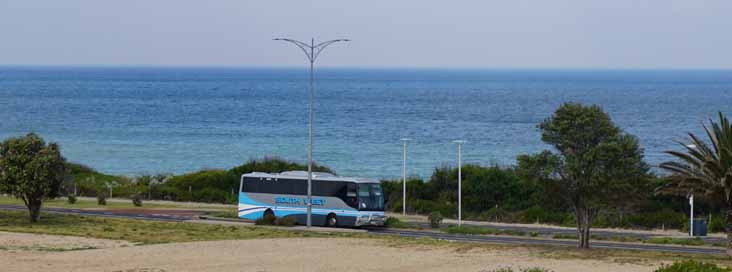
[407, 233]
[546, 231]
[543, 242]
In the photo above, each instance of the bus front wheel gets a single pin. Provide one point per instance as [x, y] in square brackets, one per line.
[331, 220]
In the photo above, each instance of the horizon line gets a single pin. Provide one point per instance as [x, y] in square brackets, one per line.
[216, 66]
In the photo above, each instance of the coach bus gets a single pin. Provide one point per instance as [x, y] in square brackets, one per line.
[336, 201]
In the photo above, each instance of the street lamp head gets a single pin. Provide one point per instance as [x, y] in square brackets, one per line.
[459, 141]
[405, 139]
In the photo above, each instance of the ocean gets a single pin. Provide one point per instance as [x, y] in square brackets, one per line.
[145, 120]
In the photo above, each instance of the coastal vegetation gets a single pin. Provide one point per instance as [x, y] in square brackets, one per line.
[209, 185]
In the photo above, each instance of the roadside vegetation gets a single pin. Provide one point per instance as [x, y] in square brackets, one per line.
[210, 185]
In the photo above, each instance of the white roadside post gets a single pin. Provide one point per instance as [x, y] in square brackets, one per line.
[460, 180]
[691, 215]
[404, 175]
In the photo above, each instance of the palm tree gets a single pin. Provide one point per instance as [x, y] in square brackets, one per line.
[704, 169]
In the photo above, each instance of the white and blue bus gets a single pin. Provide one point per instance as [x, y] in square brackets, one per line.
[337, 201]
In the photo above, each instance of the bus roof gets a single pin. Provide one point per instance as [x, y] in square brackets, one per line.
[304, 176]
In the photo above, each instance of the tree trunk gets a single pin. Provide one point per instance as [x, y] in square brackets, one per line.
[584, 222]
[34, 208]
[727, 229]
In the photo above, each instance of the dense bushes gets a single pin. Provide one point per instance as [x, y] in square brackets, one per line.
[220, 186]
[214, 185]
[493, 193]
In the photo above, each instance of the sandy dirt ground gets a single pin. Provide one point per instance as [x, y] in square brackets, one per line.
[23, 242]
[303, 254]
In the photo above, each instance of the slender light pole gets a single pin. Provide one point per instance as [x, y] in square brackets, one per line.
[460, 180]
[691, 203]
[691, 215]
[312, 51]
[404, 175]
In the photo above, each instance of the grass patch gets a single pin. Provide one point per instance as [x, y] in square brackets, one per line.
[62, 202]
[143, 232]
[675, 241]
[232, 214]
[395, 223]
[614, 238]
[481, 231]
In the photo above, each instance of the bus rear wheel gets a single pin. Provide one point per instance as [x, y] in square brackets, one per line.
[331, 220]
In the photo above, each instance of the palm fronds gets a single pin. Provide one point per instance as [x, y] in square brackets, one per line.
[702, 167]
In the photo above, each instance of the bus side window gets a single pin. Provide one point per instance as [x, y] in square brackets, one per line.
[351, 198]
[250, 185]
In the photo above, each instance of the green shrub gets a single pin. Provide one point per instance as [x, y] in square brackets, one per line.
[393, 222]
[101, 198]
[266, 220]
[435, 219]
[137, 200]
[716, 225]
[71, 199]
[285, 221]
[692, 266]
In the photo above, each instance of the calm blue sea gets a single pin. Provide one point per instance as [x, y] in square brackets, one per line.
[173, 120]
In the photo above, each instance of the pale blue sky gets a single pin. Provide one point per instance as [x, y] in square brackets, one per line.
[385, 33]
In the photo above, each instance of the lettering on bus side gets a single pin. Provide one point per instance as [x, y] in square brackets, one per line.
[285, 200]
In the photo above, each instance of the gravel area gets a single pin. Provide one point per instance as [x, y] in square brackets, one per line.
[303, 254]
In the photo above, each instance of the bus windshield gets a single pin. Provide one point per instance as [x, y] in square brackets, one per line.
[370, 197]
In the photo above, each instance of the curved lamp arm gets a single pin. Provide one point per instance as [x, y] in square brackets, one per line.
[311, 51]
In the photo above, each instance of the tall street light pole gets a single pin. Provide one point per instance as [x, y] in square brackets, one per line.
[312, 51]
[404, 175]
[691, 204]
[460, 180]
